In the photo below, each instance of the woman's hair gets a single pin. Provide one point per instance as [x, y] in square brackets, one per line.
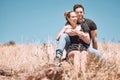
[67, 15]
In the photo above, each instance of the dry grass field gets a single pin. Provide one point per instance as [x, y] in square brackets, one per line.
[26, 59]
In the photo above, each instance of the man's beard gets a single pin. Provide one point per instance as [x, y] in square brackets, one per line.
[80, 19]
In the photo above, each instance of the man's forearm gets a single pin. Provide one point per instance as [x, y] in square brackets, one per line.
[95, 45]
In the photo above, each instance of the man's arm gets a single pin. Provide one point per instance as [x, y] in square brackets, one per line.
[94, 39]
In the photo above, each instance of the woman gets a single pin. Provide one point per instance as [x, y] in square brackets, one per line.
[75, 40]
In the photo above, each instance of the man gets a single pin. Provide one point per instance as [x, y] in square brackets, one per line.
[79, 9]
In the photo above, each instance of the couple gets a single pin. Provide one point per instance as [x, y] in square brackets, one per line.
[76, 36]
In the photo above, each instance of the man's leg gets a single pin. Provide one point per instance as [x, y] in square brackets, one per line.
[96, 52]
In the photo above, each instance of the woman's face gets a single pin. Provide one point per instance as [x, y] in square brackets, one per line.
[73, 16]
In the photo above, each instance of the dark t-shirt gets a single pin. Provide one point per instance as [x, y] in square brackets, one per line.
[91, 24]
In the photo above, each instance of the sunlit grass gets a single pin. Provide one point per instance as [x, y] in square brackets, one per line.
[29, 58]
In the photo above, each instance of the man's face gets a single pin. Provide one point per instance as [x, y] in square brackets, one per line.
[80, 13]
[73, 16]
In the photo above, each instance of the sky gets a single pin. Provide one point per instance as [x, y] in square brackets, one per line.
[34, 21]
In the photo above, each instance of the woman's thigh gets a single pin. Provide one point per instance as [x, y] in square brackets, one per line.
[74, 56]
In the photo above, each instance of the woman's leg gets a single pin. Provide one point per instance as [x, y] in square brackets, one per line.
[74, 58]
[64, 42]
[83, 63]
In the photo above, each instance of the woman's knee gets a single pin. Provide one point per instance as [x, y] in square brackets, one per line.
[74, 55]
[84, 55]
[64, 35]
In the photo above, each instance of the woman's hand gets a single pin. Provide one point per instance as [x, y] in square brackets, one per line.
[71, 32]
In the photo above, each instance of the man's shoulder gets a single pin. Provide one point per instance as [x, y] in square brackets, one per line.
[89, 20]
[91, 24]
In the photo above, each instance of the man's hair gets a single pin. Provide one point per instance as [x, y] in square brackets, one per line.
[78, 6]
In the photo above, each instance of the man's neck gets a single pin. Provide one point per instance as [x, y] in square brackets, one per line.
[81, 20]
